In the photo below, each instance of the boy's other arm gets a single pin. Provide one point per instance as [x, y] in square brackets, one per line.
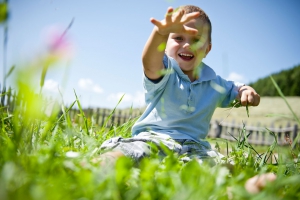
[248, 96]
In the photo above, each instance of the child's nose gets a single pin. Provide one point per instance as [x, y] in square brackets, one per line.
[187, 45]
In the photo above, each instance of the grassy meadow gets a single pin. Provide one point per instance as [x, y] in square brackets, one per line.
[272, 110]
[50, 157]
[46, 155]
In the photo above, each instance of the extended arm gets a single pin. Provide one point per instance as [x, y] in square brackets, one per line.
[173, 23]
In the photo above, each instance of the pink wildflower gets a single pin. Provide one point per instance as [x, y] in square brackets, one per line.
[58, 44]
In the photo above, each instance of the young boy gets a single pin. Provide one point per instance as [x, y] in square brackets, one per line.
[181, 91]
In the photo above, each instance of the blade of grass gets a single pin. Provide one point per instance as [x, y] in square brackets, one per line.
[9, 72]
[65, 112]
[273, 145]
[82, 114]
[112, 112]
[290, 108]
[241, 143]
[234, 104]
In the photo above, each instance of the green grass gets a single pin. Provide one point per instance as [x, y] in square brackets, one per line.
[272, 110]
[50, 157]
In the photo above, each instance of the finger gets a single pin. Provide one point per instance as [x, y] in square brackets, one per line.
[244, 99]
[169, 14]
[189, 30]
[253, 98]
[179, 14]
[190, 16]
[250, 100]
[155, 22]
[256, 100]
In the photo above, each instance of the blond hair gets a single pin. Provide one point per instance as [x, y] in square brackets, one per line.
[190, 8]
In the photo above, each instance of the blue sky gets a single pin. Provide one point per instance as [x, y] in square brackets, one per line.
[251, 40]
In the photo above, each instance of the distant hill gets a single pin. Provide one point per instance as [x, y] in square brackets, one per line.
[287, 80]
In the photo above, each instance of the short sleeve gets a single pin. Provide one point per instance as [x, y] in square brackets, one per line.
[153, 88]
[231, 91]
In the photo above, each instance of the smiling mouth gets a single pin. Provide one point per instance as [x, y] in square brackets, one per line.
[186, 56]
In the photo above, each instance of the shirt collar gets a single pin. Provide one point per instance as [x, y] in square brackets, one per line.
[205, 73]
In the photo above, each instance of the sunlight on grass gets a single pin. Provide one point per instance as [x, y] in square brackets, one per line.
[48, 155]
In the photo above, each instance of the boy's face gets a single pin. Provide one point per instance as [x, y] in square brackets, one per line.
[189, 50]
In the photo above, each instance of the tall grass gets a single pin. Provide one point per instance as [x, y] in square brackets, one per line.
[47, 156]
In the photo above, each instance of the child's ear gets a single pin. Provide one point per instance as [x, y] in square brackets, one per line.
[208, 49]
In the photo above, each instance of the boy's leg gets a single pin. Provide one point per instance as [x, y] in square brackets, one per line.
[202, 152]
[136, 148]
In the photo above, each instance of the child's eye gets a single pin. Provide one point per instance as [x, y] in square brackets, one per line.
[196, 40]
[178, 38]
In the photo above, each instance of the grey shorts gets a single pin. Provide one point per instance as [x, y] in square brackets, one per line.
[146, 143]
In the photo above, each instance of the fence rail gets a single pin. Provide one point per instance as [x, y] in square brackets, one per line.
[259, 135]
[104, 117]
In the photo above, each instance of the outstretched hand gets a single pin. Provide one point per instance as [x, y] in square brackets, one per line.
[248, 96]
[174, 22]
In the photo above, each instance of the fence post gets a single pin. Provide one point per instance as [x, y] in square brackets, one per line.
[113, 118]
[8, 103]
[97, 115]
[90, 113]
[295, 131]
[119, 118]
[103, 116]
[257, 133]
[13, 103]
[250, 137]
[287, 136]
[127, 115]
[218, 129]
[279, 135]
[3, 96]
[268, 135]
[232, 128]
[263, 139]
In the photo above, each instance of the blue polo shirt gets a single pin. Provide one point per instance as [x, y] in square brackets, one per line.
[180, 108]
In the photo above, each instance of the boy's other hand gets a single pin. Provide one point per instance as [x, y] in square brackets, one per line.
[248, 96]
[174, 22]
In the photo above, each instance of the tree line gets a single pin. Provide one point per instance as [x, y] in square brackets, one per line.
[287, 80]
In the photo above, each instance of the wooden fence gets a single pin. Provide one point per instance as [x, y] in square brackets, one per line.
[8, 98]
[106, 117]
[257, 134]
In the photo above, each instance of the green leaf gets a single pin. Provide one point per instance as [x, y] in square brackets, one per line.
[43, 75]
[82, 114]
[3, 12]
[10, 71]
[161, 47]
